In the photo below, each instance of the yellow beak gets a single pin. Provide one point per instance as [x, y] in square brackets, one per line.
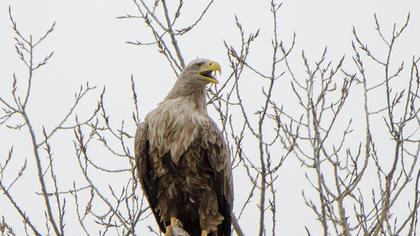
[210, 66]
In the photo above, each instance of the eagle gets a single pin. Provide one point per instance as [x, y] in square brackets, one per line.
[182, 160]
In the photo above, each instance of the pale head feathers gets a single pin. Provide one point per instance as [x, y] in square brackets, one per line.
[194, 78]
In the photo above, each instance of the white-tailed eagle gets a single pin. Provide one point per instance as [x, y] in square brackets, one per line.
[183, 162]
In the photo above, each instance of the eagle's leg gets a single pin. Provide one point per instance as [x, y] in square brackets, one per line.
[204, 233]
[174, 223]
[210, 216]
[168, 231]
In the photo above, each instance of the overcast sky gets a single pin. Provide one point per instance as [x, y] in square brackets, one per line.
[89, 45]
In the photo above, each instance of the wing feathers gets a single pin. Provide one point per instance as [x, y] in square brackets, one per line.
[219, 158]
[144, 171]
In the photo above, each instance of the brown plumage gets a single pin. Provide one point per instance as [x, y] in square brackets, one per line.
[183, 162]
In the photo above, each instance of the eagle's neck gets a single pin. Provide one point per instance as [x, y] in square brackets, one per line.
[190, 93]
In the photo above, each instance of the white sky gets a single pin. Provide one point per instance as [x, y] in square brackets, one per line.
[88, 45]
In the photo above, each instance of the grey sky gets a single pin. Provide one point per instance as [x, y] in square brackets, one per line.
[88, 45]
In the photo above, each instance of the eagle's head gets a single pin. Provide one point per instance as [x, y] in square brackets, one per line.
[200, 72]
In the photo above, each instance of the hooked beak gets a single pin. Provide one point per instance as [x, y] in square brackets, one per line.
[208, 71]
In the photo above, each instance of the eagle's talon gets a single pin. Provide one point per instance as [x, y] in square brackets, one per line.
[168, 231]
[175, 222]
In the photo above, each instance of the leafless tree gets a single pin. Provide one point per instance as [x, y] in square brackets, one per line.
[360, 181]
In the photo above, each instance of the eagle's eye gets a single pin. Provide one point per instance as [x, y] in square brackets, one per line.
[197, 66]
